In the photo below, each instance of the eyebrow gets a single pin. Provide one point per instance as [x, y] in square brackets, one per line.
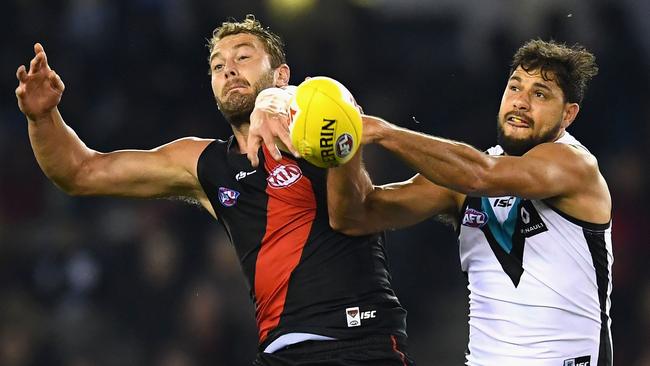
[237, 46]
[535, 84]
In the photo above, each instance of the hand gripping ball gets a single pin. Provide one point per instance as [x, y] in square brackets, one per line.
[325, 123]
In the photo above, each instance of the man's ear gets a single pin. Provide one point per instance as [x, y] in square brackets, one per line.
[569, 114]
[282, 74]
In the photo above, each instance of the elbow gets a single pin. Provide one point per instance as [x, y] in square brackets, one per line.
[339, 223]
[474, 187]
[78, 182]
[352, 227]
[65, 182]
[346, 226]
[69, 186]
[76, 191]
[476, 182]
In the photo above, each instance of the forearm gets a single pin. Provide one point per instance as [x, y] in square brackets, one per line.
[58, 150]
[347, 188]
[447, 163]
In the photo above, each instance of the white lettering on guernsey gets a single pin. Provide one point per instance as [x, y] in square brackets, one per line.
[474, 218]
[242, 174]
[282, 176]
[534, 227]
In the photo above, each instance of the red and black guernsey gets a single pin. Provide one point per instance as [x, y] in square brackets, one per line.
[303, 276]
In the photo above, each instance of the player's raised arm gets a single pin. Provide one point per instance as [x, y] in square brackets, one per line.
[79, 170]
[356, 207]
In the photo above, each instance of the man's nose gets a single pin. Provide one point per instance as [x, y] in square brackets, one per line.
[521, 102]
[230, 70]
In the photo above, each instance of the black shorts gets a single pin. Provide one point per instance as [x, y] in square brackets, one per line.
[378, 350]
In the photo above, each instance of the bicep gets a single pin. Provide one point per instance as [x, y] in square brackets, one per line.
[544, 172]
[169, 170]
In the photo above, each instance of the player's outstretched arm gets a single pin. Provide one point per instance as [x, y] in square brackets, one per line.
[356, 207]
[548, 170]
[79, 170]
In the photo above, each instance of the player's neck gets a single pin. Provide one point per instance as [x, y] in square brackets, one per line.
[241, 135]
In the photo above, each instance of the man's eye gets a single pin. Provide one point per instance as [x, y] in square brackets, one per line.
[513, 88]
[217, 67]
[540, 94]
[241, 58]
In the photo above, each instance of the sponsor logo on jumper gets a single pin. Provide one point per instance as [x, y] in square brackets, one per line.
[530, 229]
[344, 145]
[474, 218]
[227, 196]
[242, 174]
[531, 223]
[327, 140]
[354, 316]
[578, 361]
[504, 202]
[282, 176]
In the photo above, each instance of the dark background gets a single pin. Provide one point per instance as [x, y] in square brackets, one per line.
[105, 281]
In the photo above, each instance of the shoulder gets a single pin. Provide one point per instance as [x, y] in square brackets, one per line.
[185, 147]
[184, 152]
[190, 142]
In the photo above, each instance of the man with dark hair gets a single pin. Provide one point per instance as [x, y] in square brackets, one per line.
[321, 297]
[533, 215]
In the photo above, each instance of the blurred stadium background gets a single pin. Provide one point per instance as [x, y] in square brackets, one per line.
[104, 281]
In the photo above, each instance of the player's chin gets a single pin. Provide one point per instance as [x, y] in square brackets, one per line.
[236, 100]
[517, 132]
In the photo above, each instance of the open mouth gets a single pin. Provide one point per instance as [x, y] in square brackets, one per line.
[517, 121]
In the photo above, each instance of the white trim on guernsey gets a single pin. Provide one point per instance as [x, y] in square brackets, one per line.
[293, 338]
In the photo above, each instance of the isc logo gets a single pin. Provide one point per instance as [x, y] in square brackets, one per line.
[503, 202]
[579, 361]
[354, 316]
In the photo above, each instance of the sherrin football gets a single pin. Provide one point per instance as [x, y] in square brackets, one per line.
[325, 123]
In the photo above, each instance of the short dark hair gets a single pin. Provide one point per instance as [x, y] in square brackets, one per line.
[570, 66]
[272, 42]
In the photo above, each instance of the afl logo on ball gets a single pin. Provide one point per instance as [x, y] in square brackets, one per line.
[344, 145]
[283, 176]
[227, 196]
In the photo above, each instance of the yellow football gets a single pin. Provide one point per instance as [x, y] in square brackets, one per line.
[325, 122]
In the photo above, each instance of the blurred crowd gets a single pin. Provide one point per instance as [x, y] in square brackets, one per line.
[105, 281]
